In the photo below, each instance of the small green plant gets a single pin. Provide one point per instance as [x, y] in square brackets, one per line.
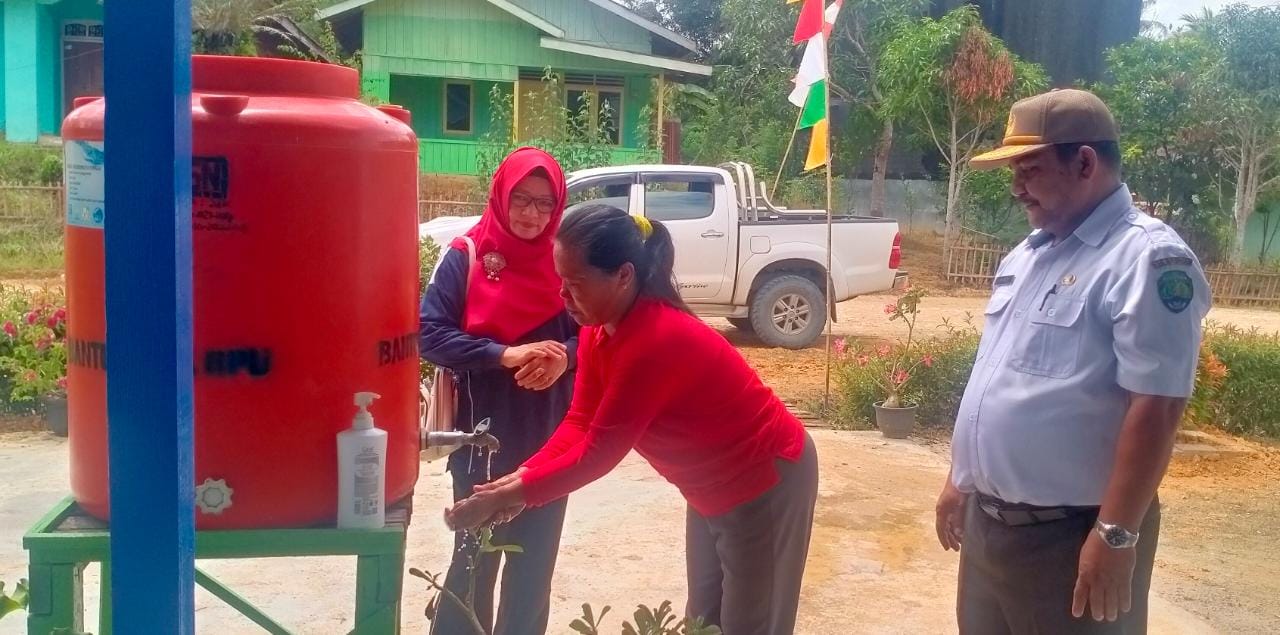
[16, 602]
[890, 368]
[659, 621]
[483, 545]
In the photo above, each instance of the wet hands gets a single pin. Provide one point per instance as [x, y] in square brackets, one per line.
[540, 364]
[491, 504]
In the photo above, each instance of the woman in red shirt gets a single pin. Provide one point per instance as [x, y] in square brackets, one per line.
[654, 378]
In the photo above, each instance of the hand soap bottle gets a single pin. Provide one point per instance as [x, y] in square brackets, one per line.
[362, 470]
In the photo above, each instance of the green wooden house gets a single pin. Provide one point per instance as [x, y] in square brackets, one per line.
[443, 59]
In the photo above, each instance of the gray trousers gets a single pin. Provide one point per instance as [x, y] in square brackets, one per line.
[1021, 580]
[745, 566]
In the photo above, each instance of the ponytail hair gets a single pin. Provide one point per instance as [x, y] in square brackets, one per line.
[609, 238]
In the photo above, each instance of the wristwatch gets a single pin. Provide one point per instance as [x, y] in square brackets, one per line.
[1115, 536]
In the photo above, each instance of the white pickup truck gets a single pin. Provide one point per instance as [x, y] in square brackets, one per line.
[737, 255]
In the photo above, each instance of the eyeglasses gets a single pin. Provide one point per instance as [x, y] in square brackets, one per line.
[521, 200]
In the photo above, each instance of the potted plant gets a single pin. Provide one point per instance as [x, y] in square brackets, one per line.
[896, 415]
[35, 363]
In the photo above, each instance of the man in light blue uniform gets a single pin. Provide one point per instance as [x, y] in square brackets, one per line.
[1068, 421]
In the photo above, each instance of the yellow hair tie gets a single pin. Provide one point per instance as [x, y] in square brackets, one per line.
[645, 227]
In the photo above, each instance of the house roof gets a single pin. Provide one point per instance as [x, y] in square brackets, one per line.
[529, 17]
[540, 23]
[651, 61]
[340, 8]
[654, 28]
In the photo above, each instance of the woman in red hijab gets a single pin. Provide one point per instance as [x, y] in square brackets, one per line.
[495, 318]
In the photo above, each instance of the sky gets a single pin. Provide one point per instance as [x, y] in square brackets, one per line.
[1170, 11]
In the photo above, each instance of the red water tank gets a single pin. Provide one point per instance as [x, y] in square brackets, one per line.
[305, 283]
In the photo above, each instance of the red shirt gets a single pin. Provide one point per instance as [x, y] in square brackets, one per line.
[674, 389]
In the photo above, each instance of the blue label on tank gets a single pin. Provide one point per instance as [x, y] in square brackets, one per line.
[86, 197]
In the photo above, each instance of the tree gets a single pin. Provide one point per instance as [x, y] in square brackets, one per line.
[748, 117]
[229, 27]
[861, 34]
[954, 81]
[1149, 27]
[699, 20]
[1168, 145]
[1269, 210]
[1242, 90]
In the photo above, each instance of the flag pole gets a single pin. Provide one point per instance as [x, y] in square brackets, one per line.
[829, 309]
[795, 130]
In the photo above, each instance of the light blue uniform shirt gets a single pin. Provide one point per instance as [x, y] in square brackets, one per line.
[1071, 330]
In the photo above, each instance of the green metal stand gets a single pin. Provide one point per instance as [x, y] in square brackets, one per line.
[63, 542]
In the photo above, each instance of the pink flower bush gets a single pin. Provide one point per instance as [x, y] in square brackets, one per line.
[892, 366]
[33, 351]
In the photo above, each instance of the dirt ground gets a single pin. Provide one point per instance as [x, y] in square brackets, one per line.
[875, 566]
[1220, 545]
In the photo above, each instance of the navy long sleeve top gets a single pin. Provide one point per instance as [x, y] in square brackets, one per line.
[521, 419]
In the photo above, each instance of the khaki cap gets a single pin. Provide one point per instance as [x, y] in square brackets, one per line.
[1058, 116]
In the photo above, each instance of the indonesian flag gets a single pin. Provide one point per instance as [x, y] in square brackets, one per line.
[810, 93]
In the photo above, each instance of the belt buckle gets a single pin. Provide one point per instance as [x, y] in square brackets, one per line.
[990, 509]
[1010, 517]
[1018, 517]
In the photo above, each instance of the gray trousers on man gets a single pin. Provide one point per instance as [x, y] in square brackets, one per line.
[745, 566]
[1021, 580]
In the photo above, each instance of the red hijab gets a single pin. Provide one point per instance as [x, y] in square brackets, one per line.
[524, 291]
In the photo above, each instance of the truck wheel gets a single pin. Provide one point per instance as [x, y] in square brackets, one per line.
[788, 312]
[742, 324]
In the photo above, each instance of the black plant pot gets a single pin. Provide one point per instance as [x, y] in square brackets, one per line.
[55, 414]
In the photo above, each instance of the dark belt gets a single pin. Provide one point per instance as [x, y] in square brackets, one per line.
[1022, 515]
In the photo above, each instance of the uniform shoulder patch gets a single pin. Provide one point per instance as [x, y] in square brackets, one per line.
[1176, 290]
[1171, 261]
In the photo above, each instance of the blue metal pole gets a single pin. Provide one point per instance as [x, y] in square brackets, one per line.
[148, 295]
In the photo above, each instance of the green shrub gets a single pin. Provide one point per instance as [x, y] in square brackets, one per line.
[30, 164]
[1245, 401]
[1236, 380]
[51, 169]
[940, 386]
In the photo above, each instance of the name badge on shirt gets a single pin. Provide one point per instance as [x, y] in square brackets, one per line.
[1004, 281]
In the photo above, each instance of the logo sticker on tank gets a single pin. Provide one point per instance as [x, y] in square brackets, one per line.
[211, 196]
[86, 194]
